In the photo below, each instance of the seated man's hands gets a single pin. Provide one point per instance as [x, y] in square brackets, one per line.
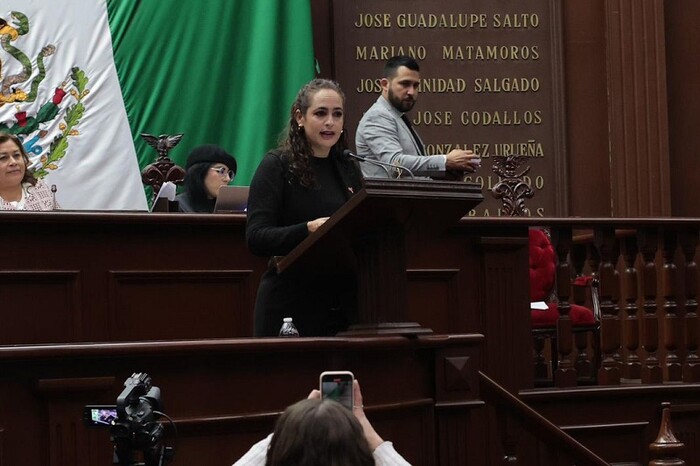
[462, 160]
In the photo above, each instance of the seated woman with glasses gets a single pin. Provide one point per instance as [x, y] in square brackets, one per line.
[208, 168]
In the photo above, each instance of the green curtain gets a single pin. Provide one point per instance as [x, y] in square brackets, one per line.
[220, 71]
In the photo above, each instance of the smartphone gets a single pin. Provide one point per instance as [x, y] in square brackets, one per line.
[100, 415]
[338, 386]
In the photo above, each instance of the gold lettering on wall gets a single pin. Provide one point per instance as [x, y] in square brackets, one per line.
[498, 85]
[376, 20]
[486, 69]
[515, 21]
[441, 21]
[448, 21]
[371, 86]
[434, 118]
[459, 85]
[427, 85]
[384, 52]
[501, 118]
[442, 85]
[491, 52]
[530, 148]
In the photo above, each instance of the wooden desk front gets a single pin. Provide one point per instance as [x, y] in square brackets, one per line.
[78, 277]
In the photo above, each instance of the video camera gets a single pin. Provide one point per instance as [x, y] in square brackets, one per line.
[134, 423]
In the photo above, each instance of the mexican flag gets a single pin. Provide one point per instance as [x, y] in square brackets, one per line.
[83, 79]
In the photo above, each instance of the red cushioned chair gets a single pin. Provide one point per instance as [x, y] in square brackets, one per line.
[544, 322]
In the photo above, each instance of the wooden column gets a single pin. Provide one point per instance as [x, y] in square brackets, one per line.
[565, 375]
[691, 367]
[672, 339]
[637, 108]
[609, 372]
[651, 371]
[381, 258]
[507, 327]
[628, 285]
[583, 364]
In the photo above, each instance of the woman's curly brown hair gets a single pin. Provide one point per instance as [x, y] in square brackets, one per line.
[296, 146]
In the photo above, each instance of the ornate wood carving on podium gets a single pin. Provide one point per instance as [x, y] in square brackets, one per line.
[163, 169]
[512, 188]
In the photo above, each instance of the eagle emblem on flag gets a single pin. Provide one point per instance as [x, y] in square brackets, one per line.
[45, 133]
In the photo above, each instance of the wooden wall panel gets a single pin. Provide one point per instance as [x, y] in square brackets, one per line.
[682, 73]
[505, 294]
[180, 304]
[66, 445]
[40, 306]
[623, 442]
[638, 112]
[685, 419]
[587, 109]
[150, 264]
[451, 428]
[433, 298]
[406, 421]
[321, 17]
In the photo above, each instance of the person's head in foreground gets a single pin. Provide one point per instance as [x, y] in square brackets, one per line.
[317, 432]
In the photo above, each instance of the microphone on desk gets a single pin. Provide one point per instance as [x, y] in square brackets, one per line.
[385, 166]
[53, 196]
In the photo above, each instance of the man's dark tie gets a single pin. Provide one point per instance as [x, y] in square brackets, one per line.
[421, 149]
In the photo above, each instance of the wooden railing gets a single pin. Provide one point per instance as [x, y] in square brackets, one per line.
[557, 446]
[554, 445]
[647, 270]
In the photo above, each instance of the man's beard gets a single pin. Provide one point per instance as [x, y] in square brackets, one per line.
[402, 106]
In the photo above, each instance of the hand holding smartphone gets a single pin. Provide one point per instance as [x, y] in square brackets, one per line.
[338, 386]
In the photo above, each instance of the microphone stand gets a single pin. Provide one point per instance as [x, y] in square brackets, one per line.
[380, 164]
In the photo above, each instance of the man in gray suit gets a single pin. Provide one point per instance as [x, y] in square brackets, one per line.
[385, 133]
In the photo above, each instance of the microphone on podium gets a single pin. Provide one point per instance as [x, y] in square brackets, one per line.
[385, 166]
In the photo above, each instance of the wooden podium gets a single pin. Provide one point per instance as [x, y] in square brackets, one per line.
[368, 235]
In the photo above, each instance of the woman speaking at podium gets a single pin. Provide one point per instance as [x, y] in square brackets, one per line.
[293, 192]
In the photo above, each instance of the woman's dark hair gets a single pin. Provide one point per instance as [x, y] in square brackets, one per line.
[28, 175]
[296, 146]
[318, 433]
[196, 189]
